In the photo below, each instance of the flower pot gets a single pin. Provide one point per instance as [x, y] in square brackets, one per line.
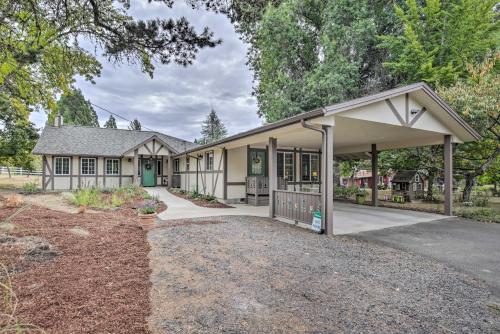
[360, 198]
[147, 219]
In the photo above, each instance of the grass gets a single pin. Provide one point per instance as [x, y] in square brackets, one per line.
[485, 214]
[107, 198]
[17, 181]
[9, 322]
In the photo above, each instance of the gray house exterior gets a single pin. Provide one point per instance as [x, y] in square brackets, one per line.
[78, 156]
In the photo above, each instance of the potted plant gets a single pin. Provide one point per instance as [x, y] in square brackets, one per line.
[361, 196]
[147, 214]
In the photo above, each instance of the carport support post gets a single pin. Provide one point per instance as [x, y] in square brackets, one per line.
[448, 176]
[170, 170]
[327, 180]
[374, 184]
[273, 173]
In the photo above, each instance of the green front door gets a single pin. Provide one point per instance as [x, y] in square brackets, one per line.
[148, 173]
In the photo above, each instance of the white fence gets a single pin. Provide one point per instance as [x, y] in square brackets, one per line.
[19, 171]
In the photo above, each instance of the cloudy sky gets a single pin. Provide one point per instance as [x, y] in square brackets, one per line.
[177, 99]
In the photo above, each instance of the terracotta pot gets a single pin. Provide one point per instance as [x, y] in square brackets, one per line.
[147, 219]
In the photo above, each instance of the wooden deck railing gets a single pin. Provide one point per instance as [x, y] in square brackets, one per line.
[296, 206]
[259, 185]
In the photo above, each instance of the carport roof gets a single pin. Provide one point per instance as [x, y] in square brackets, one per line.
[421, 89]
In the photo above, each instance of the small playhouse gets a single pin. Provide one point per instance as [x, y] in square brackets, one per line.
[408, 185]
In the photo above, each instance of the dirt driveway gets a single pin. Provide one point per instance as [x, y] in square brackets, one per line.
[251, 275]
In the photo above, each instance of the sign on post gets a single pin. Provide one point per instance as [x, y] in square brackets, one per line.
[316, 223]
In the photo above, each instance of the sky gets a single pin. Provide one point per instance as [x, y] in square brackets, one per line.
[178, 99]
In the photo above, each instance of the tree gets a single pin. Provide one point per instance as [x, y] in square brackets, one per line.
[135, 125]
[307, 54]
[110, 123]
[76, 110]
[17, 138]
[41, 53]
[212, 129]
[477, 101]
[439, 38]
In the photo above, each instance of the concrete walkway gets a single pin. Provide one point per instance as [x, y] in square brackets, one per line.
[347, 218]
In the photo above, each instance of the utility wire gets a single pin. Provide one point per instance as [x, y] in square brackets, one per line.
[119, 116]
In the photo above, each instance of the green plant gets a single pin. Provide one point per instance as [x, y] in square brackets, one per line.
[147, 210]
[30, 187]
[90, 197]
[194, 194]
[479, 213]
[117, 200]
[480, 198]
[209, 198]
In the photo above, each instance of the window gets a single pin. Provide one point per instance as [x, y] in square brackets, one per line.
[417, 178]
[62, 166]
[414, 186]
[209, 160]
[88, 166]
[187, 164]
[112, 167]
[285, 165]
[159, 170]
[176, 165]
[310, 167]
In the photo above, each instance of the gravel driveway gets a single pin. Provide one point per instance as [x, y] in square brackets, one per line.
[252, 275]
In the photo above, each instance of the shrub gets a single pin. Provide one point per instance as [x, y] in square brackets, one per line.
[146, 210]
[194, 194]
[89, 197]
[345, 192]
[480, 198]
[117, 200]
[14, 201]
[30, 187]
[479, 213]
[209, 198]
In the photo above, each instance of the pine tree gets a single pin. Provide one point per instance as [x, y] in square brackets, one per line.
[135, 125]
[212, 129]
[76, 110]
[110, 123]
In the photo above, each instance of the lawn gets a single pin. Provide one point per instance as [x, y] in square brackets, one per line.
[17, 181]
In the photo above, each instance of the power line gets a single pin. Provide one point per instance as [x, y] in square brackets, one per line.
[119, 116]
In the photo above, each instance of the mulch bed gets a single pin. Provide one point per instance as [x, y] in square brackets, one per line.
[90, 273]
[202, 202]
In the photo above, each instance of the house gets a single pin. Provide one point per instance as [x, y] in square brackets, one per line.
[363, 179]
[79, 156]
[290, 163]
[410, 184]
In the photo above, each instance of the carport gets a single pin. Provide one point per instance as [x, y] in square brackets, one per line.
[409, 116]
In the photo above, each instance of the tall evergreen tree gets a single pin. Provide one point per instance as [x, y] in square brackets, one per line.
[110, 123]
[306, 54]
[212, 129]
[135, 125]
[439, 38]
[76, 110]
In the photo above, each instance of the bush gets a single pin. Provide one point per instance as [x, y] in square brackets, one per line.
[209, 198]
[30, 187]
[480, 198]
[89, 197]
[146, 210]
[479, 213]
[117, 201]
[194, 194]
[345, 192]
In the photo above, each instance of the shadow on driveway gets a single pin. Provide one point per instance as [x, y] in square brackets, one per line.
[472, 247]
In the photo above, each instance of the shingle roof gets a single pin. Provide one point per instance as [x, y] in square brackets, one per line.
[82, 140]
[404, 176]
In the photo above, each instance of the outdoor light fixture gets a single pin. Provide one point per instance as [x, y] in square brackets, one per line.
[416, 111]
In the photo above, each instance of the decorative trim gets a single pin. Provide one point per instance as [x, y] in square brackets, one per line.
[417, 116]
[395, 112]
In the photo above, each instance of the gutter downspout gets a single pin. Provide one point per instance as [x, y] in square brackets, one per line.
[323, 169]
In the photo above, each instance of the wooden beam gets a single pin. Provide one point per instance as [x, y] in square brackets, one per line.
[327, 179]
[120, 172]
[448, 176]
[374, 175]
[136, 166]
[71, 173]
[395, 112]
[54, 169]
[407, 109]
[416, 117]
[272, 172]
[44, 161]
[224, 154]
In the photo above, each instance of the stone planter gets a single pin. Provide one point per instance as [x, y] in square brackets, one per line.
[147, 219]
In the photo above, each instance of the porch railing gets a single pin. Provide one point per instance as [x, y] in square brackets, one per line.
[296, 206]
[176, 181]
[259, 185]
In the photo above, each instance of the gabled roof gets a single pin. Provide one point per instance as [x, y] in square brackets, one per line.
[92, 141]
[405, 175]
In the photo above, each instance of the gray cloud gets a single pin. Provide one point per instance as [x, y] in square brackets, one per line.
[178, 98]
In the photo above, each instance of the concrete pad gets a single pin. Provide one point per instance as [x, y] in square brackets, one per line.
[347, 218]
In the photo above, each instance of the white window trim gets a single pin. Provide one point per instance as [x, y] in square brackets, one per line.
[106, 166]
[81, 166]
[207, 161]
[62, 169]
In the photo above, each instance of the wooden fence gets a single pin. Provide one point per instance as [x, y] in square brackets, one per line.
[19, 171]
[296, 206]
[176, 181]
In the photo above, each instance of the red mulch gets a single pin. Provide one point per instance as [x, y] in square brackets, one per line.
[203, 203]
[97, 284]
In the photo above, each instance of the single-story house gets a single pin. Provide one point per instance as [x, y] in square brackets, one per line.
[289, 163]
[411, 184]
[363, 179]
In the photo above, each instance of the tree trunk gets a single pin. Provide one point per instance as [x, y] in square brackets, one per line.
[8, 170]
[470, 180]
[430, 185]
